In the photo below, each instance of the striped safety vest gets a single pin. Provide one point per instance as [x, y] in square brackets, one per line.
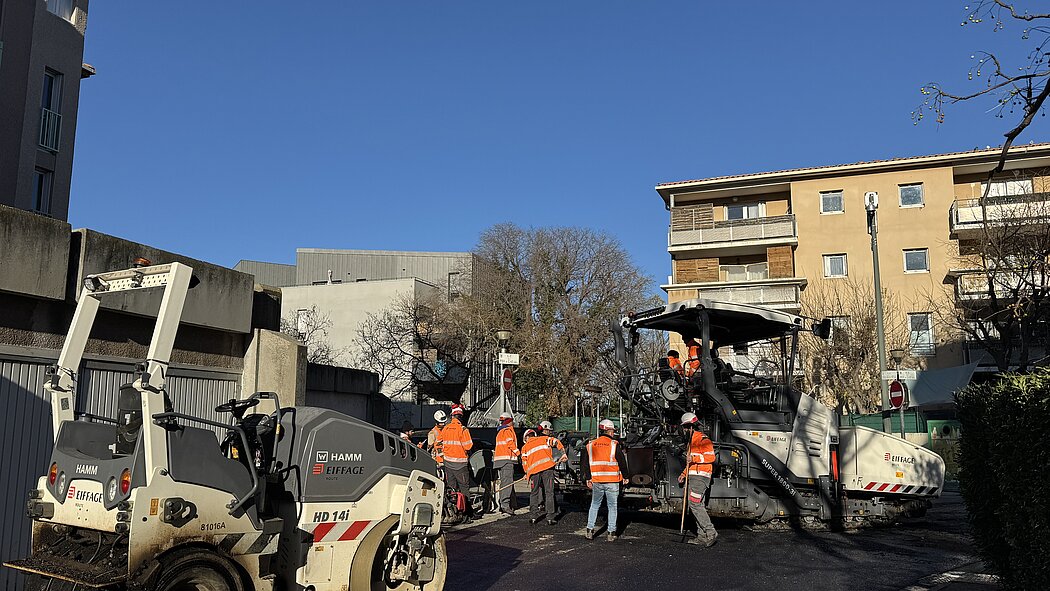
[602, 455]
[701, 455]
[435, 447]
[506, 445]
[455, 443]
[536, 454]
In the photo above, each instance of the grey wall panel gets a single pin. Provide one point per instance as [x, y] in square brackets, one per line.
[198, 396]
[312, 265]
[25, 445]
[97, 389]
[272, 274]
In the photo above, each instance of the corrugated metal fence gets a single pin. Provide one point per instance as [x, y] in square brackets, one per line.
[26, 438]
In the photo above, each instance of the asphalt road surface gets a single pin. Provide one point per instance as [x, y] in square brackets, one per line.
[512, 554]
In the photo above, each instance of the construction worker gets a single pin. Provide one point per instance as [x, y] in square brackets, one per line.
[434, 437]
[455, 447]
[674, 363]
[406, 431]
[692, 362]
[538, 460]
[700, 457]
[604, 471]
[503, 460]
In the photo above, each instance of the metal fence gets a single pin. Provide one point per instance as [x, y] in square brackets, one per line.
[781, 226]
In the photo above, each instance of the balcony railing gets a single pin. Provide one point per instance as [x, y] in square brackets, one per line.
[779, 295]
[50, 129]
[686, 229]
[969, 214]
[977, 352]
[975, 286]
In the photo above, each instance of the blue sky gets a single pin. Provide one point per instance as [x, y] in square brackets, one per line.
[230, 130]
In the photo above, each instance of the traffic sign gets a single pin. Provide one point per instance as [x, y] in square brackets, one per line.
[898, 394]
[508, 380]
[904, 374]
[508, 359]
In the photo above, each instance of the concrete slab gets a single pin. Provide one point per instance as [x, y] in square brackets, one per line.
[34, 254]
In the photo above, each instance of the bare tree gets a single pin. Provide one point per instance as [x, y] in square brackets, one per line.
[556, 289]
[310, 327]
[843, 371]
[1019, 90]
[1001, 299]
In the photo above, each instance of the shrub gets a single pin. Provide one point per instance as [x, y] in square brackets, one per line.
[1005, 475]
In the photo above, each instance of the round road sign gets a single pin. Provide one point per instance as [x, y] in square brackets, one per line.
[898, 392]
[508, 379]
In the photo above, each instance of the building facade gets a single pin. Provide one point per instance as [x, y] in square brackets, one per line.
[41, 65]
[779, 239]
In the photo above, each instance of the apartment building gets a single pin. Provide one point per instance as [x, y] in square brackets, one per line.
[777, 238]
[41, 65]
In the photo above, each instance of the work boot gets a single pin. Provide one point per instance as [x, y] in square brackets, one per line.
[711, 540]
[699, 540]
[611, 537]
[589, 535]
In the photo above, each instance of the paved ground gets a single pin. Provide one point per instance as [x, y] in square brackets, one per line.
[512, 554]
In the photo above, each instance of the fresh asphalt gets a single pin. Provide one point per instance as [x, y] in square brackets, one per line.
[510, 553]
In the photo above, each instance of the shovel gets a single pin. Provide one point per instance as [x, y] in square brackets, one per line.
[685, 502]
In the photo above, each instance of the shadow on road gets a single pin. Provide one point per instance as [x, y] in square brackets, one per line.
[478, 563]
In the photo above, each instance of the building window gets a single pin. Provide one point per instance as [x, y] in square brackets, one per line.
[916, 260]
[835, 265]
[746, 211]
[1008, 187]
[43, 181]
[831, 202]
[50, 110]
[62, 8]
[921, 340]
[911, 195]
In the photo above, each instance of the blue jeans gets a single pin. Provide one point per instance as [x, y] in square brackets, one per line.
[610, 491]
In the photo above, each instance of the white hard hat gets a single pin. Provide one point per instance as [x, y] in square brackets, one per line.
[440, 416]
[505, 415]
[529, 433]
[606, 424]
[689, 419]
[545, 425]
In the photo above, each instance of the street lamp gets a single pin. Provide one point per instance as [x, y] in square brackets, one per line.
[871, 205]
[898, 355]
[503, 338]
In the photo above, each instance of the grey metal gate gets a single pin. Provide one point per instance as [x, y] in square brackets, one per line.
[26, 438]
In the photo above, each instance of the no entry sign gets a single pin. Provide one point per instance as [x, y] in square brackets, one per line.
[898, 394]
[508, 379]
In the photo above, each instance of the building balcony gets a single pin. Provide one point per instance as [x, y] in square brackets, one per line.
[977, 352]
[781, 294]
[967, 216]
[978, 286]
[50, 129]
[692, 232]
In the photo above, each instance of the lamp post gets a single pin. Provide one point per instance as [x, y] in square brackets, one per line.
[871, 205]
[898, 355]
[503, 338]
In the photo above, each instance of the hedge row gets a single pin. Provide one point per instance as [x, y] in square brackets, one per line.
[1005, 475]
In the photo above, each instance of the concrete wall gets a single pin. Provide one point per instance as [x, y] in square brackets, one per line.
[223, 300]
[349, 304]
[275, 362]
[350, 391]
[271, 274]
[34, 254]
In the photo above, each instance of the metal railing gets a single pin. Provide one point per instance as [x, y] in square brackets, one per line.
[975, 286]
[764, 295]
[965, 214]
[50, 129]
[781, 226]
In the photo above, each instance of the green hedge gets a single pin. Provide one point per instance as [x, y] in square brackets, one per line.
[1005, 475]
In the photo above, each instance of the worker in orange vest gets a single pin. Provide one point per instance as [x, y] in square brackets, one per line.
[674, 363]
[434, 437]
[692, 362]
[604, 471]
[700, 458]
[538, 460]
[503, 460]
[455, 445]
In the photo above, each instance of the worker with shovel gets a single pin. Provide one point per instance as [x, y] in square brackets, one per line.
[604, 471]
[696, 478]
[537, 458]
[503, 460]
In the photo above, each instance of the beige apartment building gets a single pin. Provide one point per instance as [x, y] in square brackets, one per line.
[776, 238]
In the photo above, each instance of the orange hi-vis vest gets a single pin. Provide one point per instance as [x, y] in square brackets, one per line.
[693, 363]
[602, 455]
[435, 451]
[536, 454]
[701, 456]
[455, 443]
[506, 445]
[675, 364]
